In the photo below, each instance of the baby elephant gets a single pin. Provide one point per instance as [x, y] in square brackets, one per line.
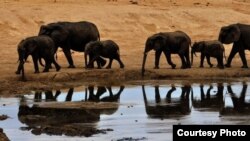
[209, 49]
[107, 49]
[38, 47]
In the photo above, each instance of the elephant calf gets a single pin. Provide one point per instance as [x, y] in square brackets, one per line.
[38, 47]
[209, 49]
[107, 49]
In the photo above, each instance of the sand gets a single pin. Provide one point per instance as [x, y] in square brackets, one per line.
[128, 23]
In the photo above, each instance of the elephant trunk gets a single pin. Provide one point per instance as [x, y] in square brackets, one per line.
[86, 59]
[143, 63]
[22, 60]
[192, 56]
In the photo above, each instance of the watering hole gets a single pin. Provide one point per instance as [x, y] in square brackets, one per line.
[123, 113]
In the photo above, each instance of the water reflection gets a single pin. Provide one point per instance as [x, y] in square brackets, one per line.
[211, 100]
[165, 107]
[66, 120]
[160, 101]
[238, 98]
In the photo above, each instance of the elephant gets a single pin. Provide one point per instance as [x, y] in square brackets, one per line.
[239, 35]
[209, 49]
[162, 108]
[169, 43]
[72, 35]
[213, 102]
[38, 47]
[241, 106]
[108, 49]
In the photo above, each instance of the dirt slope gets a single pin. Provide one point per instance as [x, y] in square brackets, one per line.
[129, 23]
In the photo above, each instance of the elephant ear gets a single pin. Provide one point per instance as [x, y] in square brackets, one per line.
[58, 34]
[202, 46]
[159, 42]
[230, 34]
[30, 46]
[235, 31]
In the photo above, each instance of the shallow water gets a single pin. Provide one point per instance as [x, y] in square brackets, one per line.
[143, 113]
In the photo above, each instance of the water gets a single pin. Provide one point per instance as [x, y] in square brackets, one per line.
[142, 113]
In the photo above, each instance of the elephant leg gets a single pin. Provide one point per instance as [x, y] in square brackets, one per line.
[157, 95]
[168, 56]
[188, 64]
[19, 68]
[119, 61]
[202, 60]
[183, 62]
[58, 67]
[243, 57]
[220, 62]
[67, 53]
[92, 61]
[101, 61]
[157, 59]
[47, 66]
[35, 61]
[234, 50]
[110, 63]
[208, 61]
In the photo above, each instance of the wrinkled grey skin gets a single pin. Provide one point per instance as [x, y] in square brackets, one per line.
[209, 49]
[72, 36]
[39, 47]
[239, 35]
[169, 43]
[107, 49]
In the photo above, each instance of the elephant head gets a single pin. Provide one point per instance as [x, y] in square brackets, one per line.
[92, 48]
[229, 34]
[155, 42]
[24, 49]
[56, 32]
[197, 47]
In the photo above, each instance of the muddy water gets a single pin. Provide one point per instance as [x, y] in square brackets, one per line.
[131, 112]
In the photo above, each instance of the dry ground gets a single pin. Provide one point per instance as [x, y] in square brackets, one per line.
[129, 23]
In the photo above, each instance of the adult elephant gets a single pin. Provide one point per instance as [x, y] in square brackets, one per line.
[239, 35]
[72, 35]
[169, 43]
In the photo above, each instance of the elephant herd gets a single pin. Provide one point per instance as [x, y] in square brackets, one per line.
[84, 37]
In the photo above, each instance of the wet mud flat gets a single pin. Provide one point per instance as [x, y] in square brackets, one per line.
[127, 112]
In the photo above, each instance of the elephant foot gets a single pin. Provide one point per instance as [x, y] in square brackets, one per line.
[156, 67]
[244, 66]
[71, 66]
[221, 67]
[45, 70]
[183, 67]
[201, 66]
[36, 72]
[227, 65]
[122, 66]
[173, 66]
[17, 72]
[108, 67]
[58, 68]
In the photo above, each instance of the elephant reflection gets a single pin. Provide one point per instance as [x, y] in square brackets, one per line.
[240, 106]
[49, 96]
[161, 108]
[213, 102]
[59, 120]
[100, 91]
